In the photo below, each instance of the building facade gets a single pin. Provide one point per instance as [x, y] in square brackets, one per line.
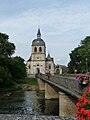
[38, 62]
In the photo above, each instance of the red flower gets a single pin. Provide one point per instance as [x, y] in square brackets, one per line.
[83, 105]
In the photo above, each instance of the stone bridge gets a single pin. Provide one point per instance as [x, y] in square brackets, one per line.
[62, 88]
[59, 83]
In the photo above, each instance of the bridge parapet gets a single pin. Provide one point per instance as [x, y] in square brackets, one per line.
[66, 84]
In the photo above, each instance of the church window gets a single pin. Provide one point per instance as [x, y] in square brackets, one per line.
[57, 71]
[35, 49]
[49, 66]
[29, 66]
[46, 65]
[40, 49]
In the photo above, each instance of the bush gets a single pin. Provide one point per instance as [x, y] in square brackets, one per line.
[83, 105]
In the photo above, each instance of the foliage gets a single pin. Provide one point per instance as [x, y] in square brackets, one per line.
[31, 81]
[83, 106]
[6, 48]
[10, 88]
[11, 68]
[80, 57]
[17, 68]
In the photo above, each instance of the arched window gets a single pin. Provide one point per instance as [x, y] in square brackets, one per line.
[37, 64]
[49, 66]
[40, 49]
[57, 71]
[35, 49]
[29, 67]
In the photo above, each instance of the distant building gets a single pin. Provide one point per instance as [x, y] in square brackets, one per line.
[38, 62]
[61, 69]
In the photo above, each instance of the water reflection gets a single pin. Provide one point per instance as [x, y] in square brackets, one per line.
[51, 107]
[28, 102]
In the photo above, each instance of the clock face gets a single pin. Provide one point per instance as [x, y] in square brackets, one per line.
[37, 41]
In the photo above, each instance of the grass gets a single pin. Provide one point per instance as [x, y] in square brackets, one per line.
[31, 81]
[16, 86]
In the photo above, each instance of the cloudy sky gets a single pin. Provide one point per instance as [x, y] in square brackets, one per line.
[63, 24]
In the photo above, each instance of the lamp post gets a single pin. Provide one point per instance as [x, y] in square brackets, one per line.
[77, 62]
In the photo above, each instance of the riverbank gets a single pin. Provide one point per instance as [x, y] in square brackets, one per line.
[28, 84]
[30, 81]
[21, 84]
[27, 87]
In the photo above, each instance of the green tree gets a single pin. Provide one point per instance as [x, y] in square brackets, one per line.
[11, 68]
[80, 57]
[6, 50]
[18, 68]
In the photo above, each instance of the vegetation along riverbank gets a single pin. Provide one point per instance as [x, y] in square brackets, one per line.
[21, 84]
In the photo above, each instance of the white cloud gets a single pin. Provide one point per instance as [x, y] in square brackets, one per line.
[62, 27]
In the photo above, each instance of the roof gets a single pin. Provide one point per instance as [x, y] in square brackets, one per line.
[49, 58]
[38, 41]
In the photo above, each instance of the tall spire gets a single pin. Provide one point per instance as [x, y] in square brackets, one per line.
[38, 33]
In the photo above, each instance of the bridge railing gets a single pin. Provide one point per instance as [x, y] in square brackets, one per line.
[69, 83]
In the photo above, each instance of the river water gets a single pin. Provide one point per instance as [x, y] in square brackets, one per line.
[27, 102]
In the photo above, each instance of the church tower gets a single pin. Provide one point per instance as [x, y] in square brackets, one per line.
[36, 62]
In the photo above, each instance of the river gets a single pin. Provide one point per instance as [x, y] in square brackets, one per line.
[27, 102]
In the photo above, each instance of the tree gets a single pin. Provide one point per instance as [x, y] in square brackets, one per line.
[6, 48]
[18, 68]
[11, 68]
[80, 57]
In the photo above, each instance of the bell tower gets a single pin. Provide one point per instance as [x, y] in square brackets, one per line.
[38, 55]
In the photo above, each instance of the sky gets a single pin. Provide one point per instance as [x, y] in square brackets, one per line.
[63, 24]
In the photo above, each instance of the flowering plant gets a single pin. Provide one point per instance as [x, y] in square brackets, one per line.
[83, 105]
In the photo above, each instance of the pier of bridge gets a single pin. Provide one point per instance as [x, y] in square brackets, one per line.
[61, 88]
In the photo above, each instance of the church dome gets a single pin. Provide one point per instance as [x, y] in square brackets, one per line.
[38, 41]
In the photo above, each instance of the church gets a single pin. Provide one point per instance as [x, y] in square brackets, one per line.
[38, 61]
